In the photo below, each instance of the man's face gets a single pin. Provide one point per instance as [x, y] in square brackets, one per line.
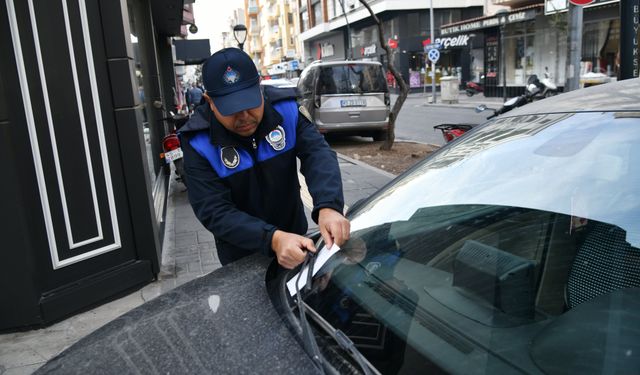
[242, 123]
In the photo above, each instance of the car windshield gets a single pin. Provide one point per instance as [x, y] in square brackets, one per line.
[351, 79]
[516, 250]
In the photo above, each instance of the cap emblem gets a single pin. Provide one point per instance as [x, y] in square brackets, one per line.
[230, 157]
[230, 76]
[277, 138]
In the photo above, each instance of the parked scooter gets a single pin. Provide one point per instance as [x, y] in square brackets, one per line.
[452, 131]
[510, 104]
[540, 89]
[472, 88]
[171, 144]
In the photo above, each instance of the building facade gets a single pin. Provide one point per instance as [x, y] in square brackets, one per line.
[535, 41]
[272, 36]
[84, 90]
[337, 30]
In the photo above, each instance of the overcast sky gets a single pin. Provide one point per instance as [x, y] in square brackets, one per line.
[212, 18]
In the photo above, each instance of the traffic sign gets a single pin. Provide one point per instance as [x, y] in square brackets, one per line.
[427, 47]
[581, 2]
[434, 55]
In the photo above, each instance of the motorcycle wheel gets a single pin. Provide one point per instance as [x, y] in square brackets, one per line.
[470, 92]
[179, 165]
[549, 94]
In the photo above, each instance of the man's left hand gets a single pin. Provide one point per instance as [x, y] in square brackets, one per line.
[333, 226]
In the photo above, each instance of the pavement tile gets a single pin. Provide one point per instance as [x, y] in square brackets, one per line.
[18, 354]
[205, 236]
[187, 239]
[22, 370]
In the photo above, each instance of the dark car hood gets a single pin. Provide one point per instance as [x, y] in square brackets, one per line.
[179, 332]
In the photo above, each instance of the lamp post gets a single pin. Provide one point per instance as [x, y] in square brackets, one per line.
[502, 18]
[240, 33]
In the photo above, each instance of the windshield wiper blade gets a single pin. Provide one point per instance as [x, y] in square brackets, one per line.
[344, 342]
[308, 339]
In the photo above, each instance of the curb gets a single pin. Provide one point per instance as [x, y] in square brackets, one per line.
[366, 166]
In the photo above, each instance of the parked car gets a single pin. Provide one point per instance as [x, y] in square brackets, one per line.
[278, 82]
[347, 97]
[514, 249]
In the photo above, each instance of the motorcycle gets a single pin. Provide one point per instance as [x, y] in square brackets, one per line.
[472, 88]
[452, 131]
[540, 89]
[171, 144]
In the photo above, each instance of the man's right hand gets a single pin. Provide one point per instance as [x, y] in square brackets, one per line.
[290, 248]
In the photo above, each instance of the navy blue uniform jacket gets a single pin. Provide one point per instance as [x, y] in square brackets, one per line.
[243, 189]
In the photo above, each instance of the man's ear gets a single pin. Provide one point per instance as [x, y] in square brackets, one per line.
[208, 99]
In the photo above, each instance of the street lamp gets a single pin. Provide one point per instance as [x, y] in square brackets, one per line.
[240, 33]
[502, 18]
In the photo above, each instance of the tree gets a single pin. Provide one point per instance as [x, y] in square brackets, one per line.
[404, 89]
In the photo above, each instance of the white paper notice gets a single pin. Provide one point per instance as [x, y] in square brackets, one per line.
[321, 258]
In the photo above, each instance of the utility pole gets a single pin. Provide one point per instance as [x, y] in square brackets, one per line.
[575, 48]
[350, 54]
[629, 38]
[433, 65]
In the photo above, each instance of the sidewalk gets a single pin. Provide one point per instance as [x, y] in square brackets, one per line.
[188, 253]
[464, 101]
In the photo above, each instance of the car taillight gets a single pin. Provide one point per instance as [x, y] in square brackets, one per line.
[387, 98]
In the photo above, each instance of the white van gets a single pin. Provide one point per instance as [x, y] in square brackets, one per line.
[349, 97]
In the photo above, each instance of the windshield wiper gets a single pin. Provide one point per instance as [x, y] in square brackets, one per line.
[344, 342]
[309, 340]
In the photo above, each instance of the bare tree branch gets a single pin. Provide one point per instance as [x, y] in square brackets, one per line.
[404, 89]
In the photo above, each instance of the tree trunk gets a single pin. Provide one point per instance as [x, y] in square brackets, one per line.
[404, 89]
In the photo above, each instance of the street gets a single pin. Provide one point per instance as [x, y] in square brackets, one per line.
[416, 120]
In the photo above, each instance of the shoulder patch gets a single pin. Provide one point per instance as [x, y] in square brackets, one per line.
[305, 113]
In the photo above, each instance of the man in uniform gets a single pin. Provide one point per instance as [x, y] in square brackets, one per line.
[240, 153]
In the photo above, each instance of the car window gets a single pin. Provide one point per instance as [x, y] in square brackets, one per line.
[351, 79]
[517, 251]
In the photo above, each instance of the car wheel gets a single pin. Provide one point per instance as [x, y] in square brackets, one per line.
[380, 135]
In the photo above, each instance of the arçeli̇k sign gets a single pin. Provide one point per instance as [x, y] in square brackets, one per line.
[461, 40]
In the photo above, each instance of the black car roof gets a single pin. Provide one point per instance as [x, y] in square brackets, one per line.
[615, 96]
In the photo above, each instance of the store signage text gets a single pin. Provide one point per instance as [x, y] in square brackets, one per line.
[489, 22]
[327, 50]
[456, 41]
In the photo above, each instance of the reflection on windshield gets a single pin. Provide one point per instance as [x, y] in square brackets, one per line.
[466, 289]
[565, 164]
[480, 262]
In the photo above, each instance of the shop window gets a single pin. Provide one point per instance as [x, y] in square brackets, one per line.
[600, 41]
[151, 133]
[519, 52]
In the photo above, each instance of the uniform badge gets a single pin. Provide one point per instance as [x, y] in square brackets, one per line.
[230, 76]
[305, 113]
[276, 138]
[230, 157]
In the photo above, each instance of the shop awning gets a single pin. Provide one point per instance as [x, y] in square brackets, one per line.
[516, 15]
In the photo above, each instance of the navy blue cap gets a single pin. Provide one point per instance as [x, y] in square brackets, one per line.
[232, 81]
